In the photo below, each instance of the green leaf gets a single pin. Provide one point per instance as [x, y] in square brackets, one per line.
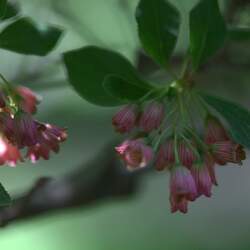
[122, 89]
[88, 67]
[237, 117]
[239, 34]
[2, 7]
[12, 10]
[158, 27]
[23, 36]
[5, 199]
[207, 31]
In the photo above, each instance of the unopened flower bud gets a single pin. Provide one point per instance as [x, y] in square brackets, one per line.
[186, 155]
[152, 116]
[124, 121]
[165, 157]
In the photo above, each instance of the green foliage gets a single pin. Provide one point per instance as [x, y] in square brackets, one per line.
[25, 37]
[158, 27]
[237, 117]
[122, 89]
[239, 34]
[10, 11]
[2, 7]
[4, 196]
[207, 31]
[88, 68]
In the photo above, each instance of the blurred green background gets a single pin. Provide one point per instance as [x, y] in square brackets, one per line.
[144, 222]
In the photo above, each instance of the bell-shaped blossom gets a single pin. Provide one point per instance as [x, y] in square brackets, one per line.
[228, 151]
[49, 138]
[24, 130]
[135, 153]
[203, 180]
[9, 154]
[182, 189]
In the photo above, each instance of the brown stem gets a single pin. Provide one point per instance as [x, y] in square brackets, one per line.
[99, 180]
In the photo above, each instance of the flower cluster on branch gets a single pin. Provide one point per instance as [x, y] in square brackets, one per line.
[19, 130]
[162, 134]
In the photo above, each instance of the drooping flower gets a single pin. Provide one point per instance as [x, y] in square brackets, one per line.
[29, 99]
[21, 130]
[135, 153]
[202, 179]
[53, 132]
[215, 131]
[165, 157]
[124, 121]
[49, 138]
[152, 116]
[228, 151]
[24, 130]
[38, 151]
[9, 154]
[18, 129]
[182, 189]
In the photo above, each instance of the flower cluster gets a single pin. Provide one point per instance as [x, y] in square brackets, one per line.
[20, 131]
[189, 156]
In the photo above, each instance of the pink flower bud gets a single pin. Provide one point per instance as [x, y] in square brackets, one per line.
[29, 99]
[124, 121]
[165, 157]
[182, 189]
[186, 155]
[228, 151]
[215, 131]
[135, 153]
[152, 116]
